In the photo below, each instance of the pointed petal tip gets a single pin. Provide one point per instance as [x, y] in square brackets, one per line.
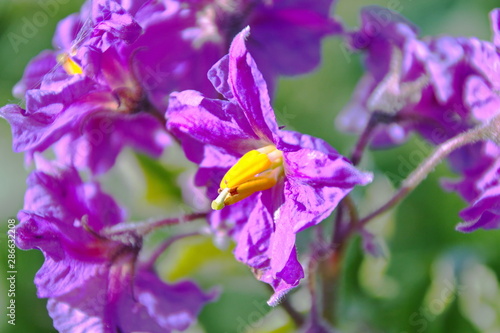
[277, 297]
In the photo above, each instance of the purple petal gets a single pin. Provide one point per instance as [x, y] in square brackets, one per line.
[218, 75]
[67, 32]
[214, 122]
[315, 168]
[114, 22]
[484, 213]
[288, 41]
[269, 248]
[250, 90]
[104, 135]
[285, 280]
[83, 309]
[34, 73]
[173, 307]
[481, 99]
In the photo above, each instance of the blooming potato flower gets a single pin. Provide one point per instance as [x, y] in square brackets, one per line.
[84, 99]
[268, 183]
[93, 283]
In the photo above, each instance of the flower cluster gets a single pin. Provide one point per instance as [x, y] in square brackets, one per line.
[105, 87]
[134, 74]
[438, 87]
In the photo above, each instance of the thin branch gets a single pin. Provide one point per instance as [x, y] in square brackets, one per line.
[419, 174]
[295, 315]
[149, 264]
[364, 139]
[143, 228]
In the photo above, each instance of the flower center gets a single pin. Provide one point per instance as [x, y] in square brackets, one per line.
[257, 170]
[69, 65]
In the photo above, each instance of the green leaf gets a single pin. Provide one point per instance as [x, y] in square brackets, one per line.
[161, 181]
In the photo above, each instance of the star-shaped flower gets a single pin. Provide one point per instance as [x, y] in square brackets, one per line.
[267, 184]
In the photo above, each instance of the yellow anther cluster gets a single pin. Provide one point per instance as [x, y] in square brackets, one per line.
[257, 170]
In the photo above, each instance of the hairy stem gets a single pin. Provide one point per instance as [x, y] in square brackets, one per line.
[144, 228]
[419, 174]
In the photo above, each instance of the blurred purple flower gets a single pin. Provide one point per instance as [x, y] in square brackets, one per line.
[439, 87]
[93, 283]
[183, 39]
[84, 98]
[292, 180]
[415, 84]
[107, 85]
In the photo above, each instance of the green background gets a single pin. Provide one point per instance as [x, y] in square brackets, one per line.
[432, 278]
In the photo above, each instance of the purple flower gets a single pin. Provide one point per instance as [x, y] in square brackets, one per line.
[84, 100]
[183, 39]
[439, 87]
[107, 85]
[415, 84]
[93, 283]
[274, 183]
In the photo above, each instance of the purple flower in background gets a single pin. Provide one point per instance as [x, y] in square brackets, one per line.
[183, 39]
[107, 86]
[478, 164]
[394, 80]
[439, 87]
[94, 284]
[415, 84]
[274, 183]
[84, 99]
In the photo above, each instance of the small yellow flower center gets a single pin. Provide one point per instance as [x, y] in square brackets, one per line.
[69, 65]
[257, 170]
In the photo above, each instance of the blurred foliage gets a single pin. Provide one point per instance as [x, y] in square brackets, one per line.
[433, 279]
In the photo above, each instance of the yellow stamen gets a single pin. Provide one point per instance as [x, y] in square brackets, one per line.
[246, 168]
[69, 65]
[261, 183]
[257, 170]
